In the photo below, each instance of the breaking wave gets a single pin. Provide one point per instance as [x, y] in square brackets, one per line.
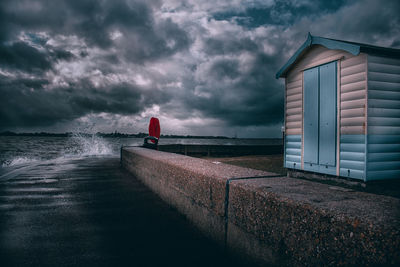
[84, 146]
[30, 151]
[19, 161]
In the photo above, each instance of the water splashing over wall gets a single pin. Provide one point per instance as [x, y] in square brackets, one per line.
[28, 150]
[88, 145]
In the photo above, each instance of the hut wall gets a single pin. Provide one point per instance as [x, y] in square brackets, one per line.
[383, 159]
[353, 108]
[293, 120]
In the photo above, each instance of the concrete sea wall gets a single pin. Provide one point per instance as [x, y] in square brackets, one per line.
[222, 150]
[272, 219]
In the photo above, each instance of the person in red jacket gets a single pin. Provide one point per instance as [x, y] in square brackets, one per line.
[154, 128]
[154, 133]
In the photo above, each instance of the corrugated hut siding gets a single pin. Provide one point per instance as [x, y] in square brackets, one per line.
[353, 102]
[383, 118]
[294, 104]
[293, 119]
[353, 94]
[293, 151]
[352, 156]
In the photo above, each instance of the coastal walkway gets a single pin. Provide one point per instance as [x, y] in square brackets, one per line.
[91, 212]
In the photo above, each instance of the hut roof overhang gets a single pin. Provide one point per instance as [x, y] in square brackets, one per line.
[351, 47]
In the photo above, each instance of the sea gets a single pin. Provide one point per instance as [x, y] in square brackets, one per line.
[20, 151]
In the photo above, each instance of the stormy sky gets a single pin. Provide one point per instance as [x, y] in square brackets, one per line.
[202, 67]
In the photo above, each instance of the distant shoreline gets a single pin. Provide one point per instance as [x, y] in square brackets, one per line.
[118, 135]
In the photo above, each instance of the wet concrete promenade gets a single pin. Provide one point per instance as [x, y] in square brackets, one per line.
[90, 212]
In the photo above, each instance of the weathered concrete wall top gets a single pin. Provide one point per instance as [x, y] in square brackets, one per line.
[190, 164]
[275, 220]
[318, 224]
[376, 210]
[201, 180]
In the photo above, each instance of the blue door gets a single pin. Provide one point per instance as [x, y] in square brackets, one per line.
[320, 117]
[311, 110]
[327, 114]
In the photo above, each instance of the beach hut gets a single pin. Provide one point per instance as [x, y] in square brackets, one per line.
[342, 109]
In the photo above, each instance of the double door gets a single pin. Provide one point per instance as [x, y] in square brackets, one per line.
[320, 117]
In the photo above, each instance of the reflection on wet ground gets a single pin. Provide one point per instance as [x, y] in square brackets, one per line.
[91, 212]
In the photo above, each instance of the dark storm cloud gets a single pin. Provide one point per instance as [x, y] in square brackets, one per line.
[27, 101]
[253, 97]
[22, 56]
[165, 40]
[94, 20]
[64, 60]
[280, 12]
[367, 21]
[220, 46]
[59, 54]
[247, 98]
[26, 33]
[266, 99]
[224, 68]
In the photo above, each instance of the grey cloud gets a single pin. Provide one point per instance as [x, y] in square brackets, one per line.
[20, 55]
[239, 93]
[396, 43]
[163, 40]
[26, 101]
[35, 101]
[367, 21]
[62, 60]
[253, 99]
[220, 46]
[59, 54]
[144, 38]
[280, 12]
[224, 68]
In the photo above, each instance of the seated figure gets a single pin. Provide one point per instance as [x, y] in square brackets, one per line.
[151, 141]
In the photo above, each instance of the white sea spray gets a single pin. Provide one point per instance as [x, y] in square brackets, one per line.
[83, 146]
[19, 161]
[35, 150]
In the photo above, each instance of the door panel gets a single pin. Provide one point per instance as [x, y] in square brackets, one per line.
[311, 109]
[327, 114]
